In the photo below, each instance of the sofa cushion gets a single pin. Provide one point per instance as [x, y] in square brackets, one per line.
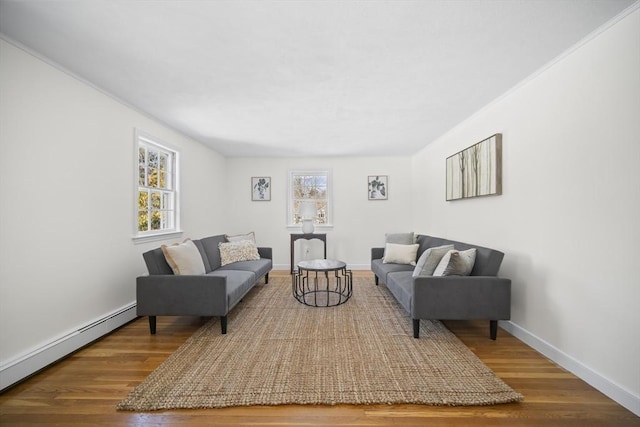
[259, 267]
[242, 250]
[184, 258]
[430, 259]
[456, 263]
[238, 237]
[210, 246]
[400, 254]
[427, 242]
[487, 262]
[381, 269]
[400, 283]
[400, 238]
[156, 262]
[238, 284]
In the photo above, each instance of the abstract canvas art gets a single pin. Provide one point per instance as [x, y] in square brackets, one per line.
[476, 171]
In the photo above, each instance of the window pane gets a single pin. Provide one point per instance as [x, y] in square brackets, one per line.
[156, 220]
[162, 179]
[168, 219]
[163, 170]
[153, 159]
[322, 212]
[141, 165]
[143, 199]
[152, 178]
[156, 200]
[143, 221]
[296, 209]
[167, 200]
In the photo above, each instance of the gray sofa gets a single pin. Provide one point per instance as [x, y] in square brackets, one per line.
[481, 295]
[215, 293]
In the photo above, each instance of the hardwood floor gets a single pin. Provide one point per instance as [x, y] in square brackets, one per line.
[84, 389]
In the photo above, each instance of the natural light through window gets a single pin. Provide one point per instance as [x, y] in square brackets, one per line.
[157, 189]
[310, 186]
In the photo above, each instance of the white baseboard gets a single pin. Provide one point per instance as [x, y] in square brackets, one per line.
[614, 391]
[42, 357]
[24, 366]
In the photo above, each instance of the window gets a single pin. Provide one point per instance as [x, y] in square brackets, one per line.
[157, 188]
[314, 186]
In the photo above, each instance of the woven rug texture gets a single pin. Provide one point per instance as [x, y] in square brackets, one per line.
[278, 351]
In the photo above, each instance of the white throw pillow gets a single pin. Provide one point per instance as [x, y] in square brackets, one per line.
[184, 258]
[429, 260]
[400, 254]
[242, 250]
[461, 265]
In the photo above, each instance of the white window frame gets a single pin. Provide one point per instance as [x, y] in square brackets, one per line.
[145, 140]
[290, 197]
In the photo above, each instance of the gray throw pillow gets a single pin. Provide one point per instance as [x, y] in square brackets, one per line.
[430, 259]
[400, 238]
[468, 258]
[456, 266]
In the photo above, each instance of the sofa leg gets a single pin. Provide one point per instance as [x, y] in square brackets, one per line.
[266, 278]
[493, 329]
[223, 324]
[416, 328]
[376, 277]
[152, 324]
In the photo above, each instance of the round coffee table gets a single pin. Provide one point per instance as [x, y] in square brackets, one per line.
[322, 283]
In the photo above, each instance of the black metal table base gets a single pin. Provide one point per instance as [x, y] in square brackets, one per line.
[322, 287]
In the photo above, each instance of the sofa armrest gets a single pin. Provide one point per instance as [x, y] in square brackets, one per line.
[265, 253]
[461, 297]
[165, 295]
[377, 253]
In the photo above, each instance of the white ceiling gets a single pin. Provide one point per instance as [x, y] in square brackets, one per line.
[305, 78]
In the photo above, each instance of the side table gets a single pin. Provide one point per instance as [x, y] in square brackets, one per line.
[307, 236]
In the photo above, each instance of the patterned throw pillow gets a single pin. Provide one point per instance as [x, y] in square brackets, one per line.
[242, 250]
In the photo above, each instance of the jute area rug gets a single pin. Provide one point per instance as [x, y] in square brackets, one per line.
[278, 351]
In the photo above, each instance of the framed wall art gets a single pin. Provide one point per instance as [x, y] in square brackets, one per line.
[378, 188]
[261, 188]
[476, 171]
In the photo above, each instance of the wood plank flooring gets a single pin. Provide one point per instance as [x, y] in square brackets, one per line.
[83, 389]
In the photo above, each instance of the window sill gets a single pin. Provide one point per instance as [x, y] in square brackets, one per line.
[157, 236]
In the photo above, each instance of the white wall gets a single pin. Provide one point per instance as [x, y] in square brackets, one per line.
[359, 224]
[568, 220]
[66, 212]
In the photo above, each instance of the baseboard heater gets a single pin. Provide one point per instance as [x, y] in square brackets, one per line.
[34, 361]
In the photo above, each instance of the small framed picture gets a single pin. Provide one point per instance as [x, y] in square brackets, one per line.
[378, 187]
[261, 188]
